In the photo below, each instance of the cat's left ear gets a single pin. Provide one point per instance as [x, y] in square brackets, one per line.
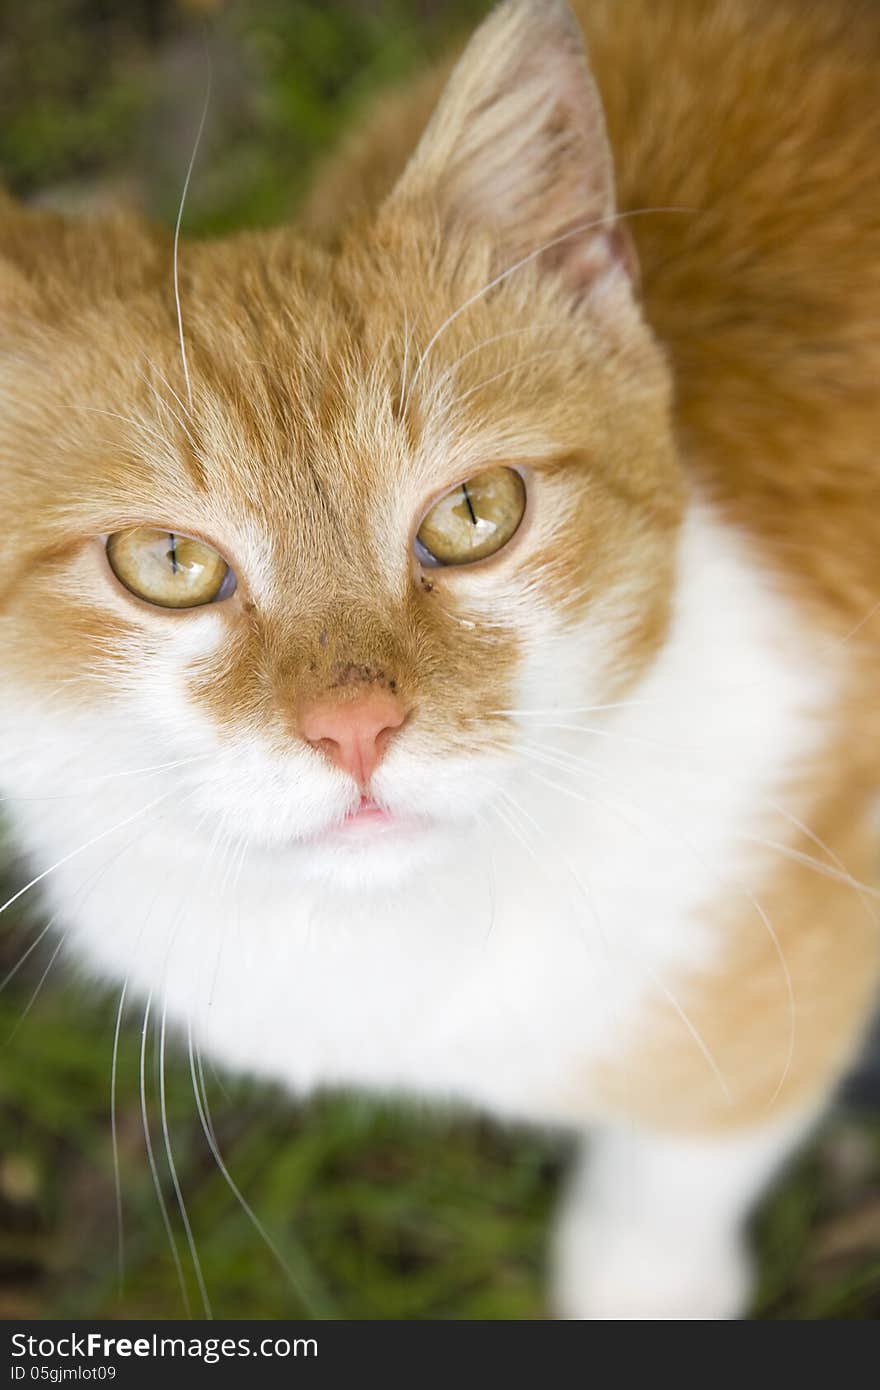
[517, 147]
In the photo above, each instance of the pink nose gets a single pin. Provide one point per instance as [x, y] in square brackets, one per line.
[354, 734]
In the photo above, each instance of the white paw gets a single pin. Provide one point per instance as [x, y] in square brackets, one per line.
[617, 1275]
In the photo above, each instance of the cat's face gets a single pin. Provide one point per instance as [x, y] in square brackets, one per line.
[329, 403]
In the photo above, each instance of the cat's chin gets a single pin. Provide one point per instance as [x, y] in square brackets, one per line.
[381, 854]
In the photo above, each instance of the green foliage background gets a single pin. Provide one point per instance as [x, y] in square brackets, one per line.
[378, 1211]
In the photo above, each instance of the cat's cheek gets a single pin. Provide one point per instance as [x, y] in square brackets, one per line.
[572, 669]
[88, 620]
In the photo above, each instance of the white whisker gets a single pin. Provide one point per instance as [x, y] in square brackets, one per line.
[87, 782]
[692, 1030]
[505, 371]
[524, 261]
[95, 839]
[405, 368]
[176, 243]
[495, 338]
[114, 1139]
[201, 1099]
[615, 734]
[10, 975]
[560, 711]
[825, 870]
[789, 989]
[140, 425]
[165, 405]
[181, 419]
[835, 859]
[33, 999]
[151, 1159]
[172, 1168]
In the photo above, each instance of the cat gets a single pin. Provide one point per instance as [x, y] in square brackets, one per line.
[440, 640]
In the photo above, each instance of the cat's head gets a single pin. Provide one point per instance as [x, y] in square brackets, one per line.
[397, 492]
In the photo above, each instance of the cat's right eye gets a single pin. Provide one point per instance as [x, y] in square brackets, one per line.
[167, 569]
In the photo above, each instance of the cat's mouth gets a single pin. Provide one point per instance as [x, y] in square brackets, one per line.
[368, 812]
[367, 822]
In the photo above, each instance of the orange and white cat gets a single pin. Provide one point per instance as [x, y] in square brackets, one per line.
[440, 646]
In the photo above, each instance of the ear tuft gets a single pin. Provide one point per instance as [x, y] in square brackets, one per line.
[517, 145]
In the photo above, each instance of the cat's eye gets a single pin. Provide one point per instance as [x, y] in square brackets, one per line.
[167, 569]
[474, 520]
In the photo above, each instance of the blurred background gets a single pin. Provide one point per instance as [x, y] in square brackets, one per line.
[376, 1211]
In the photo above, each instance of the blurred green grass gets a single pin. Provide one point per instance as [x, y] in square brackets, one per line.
[92, 92]
[379, 1210]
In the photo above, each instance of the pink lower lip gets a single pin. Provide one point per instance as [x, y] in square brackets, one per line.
[368, 816]
[368, 813]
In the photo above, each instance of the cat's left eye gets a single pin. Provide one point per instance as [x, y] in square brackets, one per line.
[476, 519]
[167, 569]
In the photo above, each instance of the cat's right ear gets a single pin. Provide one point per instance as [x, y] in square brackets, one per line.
[517, 147]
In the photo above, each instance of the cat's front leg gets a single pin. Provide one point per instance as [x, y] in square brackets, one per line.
[653, 1226]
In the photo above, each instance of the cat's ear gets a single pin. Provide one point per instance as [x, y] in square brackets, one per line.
[517, 146]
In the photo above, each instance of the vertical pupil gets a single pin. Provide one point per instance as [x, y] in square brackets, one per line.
[172, 553]
[470, 505]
